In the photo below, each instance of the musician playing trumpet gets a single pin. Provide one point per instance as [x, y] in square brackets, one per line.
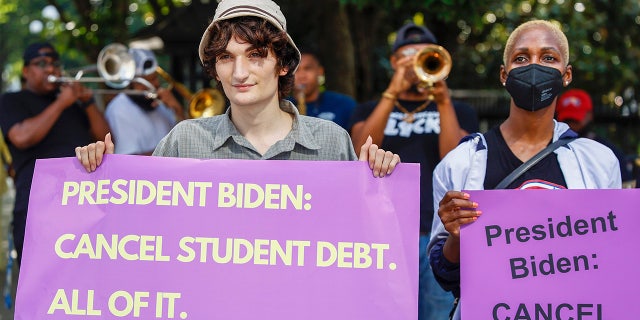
[420, 122]
[44, 120]
[139, 121]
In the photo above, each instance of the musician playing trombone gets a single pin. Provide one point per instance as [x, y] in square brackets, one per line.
[44, 120]
[139, 121]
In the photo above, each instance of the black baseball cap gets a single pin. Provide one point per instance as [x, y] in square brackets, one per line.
[33, 51]
[411, 33]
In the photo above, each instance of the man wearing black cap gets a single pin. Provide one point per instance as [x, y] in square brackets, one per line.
[421, 130]
[44, 120]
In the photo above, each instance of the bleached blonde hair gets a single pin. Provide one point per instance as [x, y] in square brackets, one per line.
[550, 26]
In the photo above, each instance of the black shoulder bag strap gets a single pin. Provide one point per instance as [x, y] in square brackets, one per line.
[527, 165]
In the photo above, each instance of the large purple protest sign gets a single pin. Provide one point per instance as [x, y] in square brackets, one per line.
[552, 254]
[166, 238]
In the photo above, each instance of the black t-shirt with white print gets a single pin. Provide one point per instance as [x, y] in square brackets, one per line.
[417, 142]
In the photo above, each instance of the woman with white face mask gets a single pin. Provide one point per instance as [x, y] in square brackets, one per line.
[536, 68]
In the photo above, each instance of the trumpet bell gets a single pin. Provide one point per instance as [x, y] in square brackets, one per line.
[116, 65]
[432, 64]
[206, 102]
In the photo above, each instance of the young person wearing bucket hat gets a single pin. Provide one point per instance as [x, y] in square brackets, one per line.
[247, 49]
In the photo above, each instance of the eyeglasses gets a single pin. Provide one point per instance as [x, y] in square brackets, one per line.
[409, 52]
[43, 64]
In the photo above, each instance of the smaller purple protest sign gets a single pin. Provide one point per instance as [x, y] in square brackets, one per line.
[167, 238]
[552, 254]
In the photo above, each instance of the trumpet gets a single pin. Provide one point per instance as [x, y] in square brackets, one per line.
[116, 68]
[432, 64]
[205, 102]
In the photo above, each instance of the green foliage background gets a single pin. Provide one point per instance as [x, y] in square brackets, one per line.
[604, 38]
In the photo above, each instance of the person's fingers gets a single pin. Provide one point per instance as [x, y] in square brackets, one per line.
[450, 206]
[394, 162]
[78, 90]
[83, 155]
[364, 149]
[389, 163]
[452, 194]
[110, 147]
[457, 215]
[383, 160]
[100, 147]
[456, 218]
[407, 62]
[91, 155]
[377, 162]
[373, 151]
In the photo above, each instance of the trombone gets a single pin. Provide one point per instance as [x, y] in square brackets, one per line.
[116, 68]
[206, 102]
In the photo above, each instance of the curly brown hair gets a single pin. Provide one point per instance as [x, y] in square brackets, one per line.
[260, 34]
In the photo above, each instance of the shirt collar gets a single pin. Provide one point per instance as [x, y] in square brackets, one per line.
[299, 134]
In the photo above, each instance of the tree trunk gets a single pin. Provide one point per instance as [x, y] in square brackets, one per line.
[336, 46]
[367, 28]
[323, 27]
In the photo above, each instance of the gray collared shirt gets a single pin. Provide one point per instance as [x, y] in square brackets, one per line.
[217, 138]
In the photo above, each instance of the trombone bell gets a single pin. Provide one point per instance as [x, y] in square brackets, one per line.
[116, 68]
[432, 64]
[116, 65]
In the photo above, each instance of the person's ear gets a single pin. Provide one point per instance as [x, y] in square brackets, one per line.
[283, 71]
[503, 75]
[321, 79]
[394, 61]
[568, 75]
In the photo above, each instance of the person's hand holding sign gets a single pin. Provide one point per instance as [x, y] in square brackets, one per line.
[456, 210]
[91, 155]
[380, 161]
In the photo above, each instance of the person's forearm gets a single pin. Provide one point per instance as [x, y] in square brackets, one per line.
[374, 125]
[450, 131]
[451, 249]
[446, 273]
[31, 131]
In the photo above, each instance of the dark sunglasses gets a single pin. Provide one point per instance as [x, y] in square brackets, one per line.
[43, 64]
